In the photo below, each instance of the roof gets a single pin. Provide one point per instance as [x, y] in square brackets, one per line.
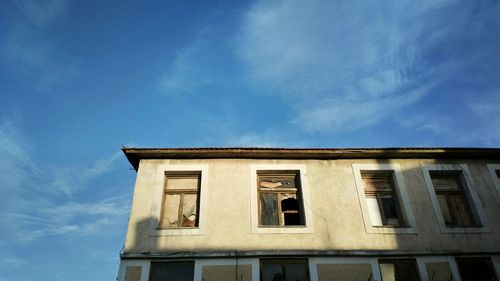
[134, 155]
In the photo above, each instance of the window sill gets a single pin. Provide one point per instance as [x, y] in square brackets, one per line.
[282, 229]
[176, 231]
[392, 226]
[463, 229]
[389, 229]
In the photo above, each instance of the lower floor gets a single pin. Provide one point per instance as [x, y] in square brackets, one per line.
[289, 268]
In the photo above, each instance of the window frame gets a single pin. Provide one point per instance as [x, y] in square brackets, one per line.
[159, 183]
[152, 262]
[470, 193]
[297, 191]
[488, 259]
[181, 193]
[314, 262]
[494, 169]
[404, 206]
[283, 261]
[422, 262]
[200, 263]
[403, 260]
[305, 195]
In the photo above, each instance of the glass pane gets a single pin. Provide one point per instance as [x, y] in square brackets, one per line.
[399, 270]
[374, 211]
[269, 208]
[171, 210]
[272, 272]
[439, 271]
[445, 182]
[445, 209]
[182, 182]
[388, 271]
[390, 210]
[172, 271]
[479, 269]
[461, 210]
[226, 273]
[406, 271]
[189, 210]
[296, 272]
[133, 273]
[345, 272]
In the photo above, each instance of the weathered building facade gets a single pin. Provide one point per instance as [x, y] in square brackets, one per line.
[217, 214]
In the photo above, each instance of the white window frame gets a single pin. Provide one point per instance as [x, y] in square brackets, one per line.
[143, 264]
[314, 262]
[422, 267]
[496, 181]
[200, 263]
[159, 185]
[403, 199]
[472, 197]
[304, 189]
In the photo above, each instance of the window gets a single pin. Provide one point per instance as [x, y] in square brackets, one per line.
[452, 199]
[398, 270]
[241, 272]
[280, 201]
[133, 273]
[439, 271]
[344, 272]
[476, 269]
[180, 200]
[284, 270]
[495, 174]
[172, 271]
[381, 198]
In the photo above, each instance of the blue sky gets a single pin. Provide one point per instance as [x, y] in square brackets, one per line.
[79, 79]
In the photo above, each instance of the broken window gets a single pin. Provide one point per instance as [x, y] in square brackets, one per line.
[345, 272]
[280, 198]
[284, 270]
[175, 271]
[180, 200]
[381, 198]
[398, 270]
[453, 201]
[476, 269]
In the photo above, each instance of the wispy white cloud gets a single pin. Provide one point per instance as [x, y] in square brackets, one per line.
[349, 64]
[37, 201]
[29, 53]
[42, 12]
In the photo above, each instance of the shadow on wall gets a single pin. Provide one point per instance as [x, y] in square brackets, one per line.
[386, 206]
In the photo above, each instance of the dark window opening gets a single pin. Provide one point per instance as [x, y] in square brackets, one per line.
[172, 271]
[453, 198]
[280, 198]
[476, 269]
[284, 270]
[399, 270]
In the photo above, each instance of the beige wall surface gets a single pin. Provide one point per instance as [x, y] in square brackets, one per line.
[335, 207]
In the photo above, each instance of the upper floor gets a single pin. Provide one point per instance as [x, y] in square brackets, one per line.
[318, 200]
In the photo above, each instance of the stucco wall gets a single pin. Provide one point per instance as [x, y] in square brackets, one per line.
[336, 213]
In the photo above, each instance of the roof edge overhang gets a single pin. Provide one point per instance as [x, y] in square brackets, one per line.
[134, 155]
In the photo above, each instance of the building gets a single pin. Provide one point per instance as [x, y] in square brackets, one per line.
[221, 214]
